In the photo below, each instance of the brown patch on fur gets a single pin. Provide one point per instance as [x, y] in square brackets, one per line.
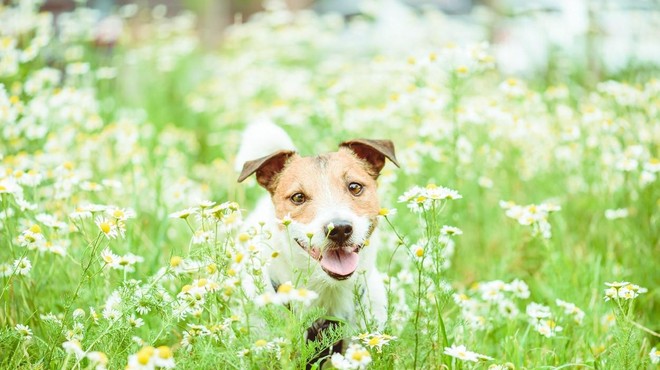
[373, 152]
[267, 168]
[324, 181]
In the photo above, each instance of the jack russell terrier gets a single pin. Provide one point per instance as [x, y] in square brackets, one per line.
[333, 207]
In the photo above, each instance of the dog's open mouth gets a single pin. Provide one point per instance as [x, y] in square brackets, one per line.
[339, 263]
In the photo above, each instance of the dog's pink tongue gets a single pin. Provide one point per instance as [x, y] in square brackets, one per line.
[340, 262]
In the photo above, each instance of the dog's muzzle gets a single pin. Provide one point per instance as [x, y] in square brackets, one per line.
[338, 262]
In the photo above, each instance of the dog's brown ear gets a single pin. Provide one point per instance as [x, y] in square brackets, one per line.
[266, 167]
[373, 152]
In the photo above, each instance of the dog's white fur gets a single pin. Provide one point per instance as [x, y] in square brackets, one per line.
[360, 300]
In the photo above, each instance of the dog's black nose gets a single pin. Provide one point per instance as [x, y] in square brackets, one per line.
[339, 231]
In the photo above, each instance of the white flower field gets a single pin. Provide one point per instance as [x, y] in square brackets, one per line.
[521, 231]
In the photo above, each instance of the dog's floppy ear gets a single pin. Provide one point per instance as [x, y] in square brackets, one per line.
[373, 152]
[266, 167]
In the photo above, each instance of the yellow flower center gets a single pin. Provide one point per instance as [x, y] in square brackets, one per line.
[359, 355]
[462, 69]
[144, 355]
[164, 352]
[374, 341]
[175, 261]
[260, 343]
[105, 227]
[35, 229]
[284, 288]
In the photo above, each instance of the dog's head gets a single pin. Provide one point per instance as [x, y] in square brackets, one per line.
[331, 198]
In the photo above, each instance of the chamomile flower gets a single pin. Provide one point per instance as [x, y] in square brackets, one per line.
[22, 266]
[109, 259]
[654, 356]
[120, 214]
[164, 358]
[303, 295]
[418, 251]
[451, 230]
[548, 328]
[24, 331]
[356, 357]
[513, 87]
[267, 298]
[375, 340]
[286, 220]
[519, 289]
[98, 360]
[507, 366]
[387, 212]
[10, 186]
[78, 314]
[6, 269]
[538, 311]
[74, 347]
[262, 345]
[462, 353]
[108, 227]
[32, 238]
[202, 236]
[614, 214]
[571, 310]
[184, 214]
[127, 262]
[532, 215]
[623, 290]
[135, 322]
[143, 359]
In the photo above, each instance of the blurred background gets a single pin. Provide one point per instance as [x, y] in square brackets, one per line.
[602, 37]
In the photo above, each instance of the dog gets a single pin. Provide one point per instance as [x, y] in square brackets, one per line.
[327, 207]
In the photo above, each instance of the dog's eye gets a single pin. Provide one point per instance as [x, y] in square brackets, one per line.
[298, 198]
[355, 188]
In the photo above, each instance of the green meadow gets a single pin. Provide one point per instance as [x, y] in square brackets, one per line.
[521, 230]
